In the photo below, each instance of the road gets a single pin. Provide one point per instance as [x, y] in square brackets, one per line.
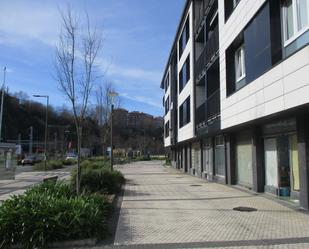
[25, 178]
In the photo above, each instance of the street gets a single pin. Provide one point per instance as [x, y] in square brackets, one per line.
[25, 178]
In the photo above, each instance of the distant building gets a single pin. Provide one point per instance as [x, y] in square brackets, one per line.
[120, 118]
[135, 120]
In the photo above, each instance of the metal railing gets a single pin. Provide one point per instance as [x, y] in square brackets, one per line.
[200, 114]
[201, 13]
[213, 105]
[209, 110]
[209, 52]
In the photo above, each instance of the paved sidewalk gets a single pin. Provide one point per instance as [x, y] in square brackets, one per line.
[163, 208]
[25, 178]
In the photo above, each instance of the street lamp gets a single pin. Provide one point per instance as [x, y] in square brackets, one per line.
[112, 95]
[46, 124]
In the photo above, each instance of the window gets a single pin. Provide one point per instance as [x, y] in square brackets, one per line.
[229, 6]
[167, 82]
[184, 75]
[167, 105]
[235, 2]
[240, 69]
[184, 113]
[184, 38]
[219, 156]
[294, 18]
[167, 129]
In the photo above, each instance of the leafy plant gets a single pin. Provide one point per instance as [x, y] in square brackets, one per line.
[69, 162]
[51, 213]
[99, 180]
[94, 164]
[51, 165]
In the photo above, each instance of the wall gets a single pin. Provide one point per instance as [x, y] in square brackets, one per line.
[283, 87]
[187, 131]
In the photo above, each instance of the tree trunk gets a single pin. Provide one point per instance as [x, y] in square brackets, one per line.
[79, 145]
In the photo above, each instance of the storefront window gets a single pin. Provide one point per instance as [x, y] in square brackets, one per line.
[219, 156]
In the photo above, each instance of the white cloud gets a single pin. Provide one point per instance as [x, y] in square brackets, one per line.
[23, 21]
[142, 99]
[141, 74]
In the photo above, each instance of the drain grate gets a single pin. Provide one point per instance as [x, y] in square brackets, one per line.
[195, 185]
[245, 209]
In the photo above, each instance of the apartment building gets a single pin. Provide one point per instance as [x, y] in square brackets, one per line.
[236, 95]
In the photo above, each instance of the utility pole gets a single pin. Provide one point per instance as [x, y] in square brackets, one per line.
[30, 140]
[112, 95]
[55, 143]
[46, 127]
[112, 144]
[19, 139]
[2, 98]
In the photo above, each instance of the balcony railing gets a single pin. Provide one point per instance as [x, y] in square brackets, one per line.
[209, 52]
[213, 105]
[201, 114]
[209, 110]
[201, 13]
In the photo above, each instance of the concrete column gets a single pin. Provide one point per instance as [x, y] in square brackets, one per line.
[303, 155]
[230, 159]
[258, 168]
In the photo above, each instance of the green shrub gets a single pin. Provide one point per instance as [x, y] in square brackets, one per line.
[98, 158]
[59, 189]
[49, 213]
[69, 162]
[87, 164]
[51, 165]
[99, 180]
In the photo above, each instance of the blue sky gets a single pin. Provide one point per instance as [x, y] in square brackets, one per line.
[137, 34]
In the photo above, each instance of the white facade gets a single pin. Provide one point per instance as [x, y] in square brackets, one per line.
[282, 87]
[187, 131]
[167, 117]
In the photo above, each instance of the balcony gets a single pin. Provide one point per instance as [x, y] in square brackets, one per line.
[208, 111]
[209, 53]
[200, 15]
[201, 114]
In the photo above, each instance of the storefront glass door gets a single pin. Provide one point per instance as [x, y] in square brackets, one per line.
[281, 165]
[244, 163]
[271, 163]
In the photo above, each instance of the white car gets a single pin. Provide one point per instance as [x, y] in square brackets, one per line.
[71, 156]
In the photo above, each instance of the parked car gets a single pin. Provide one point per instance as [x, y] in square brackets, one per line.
[30, 160]
[71, 156]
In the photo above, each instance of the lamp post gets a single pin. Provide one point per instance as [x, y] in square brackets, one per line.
[112, 95]
[46, 127]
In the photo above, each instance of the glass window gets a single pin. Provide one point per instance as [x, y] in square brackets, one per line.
[219, 156]
[167, 105]
[167, 129]
[294, 18]
[184, 38]
[167, 82]
[302, 13]
[184, 113]
[184, 75]
[240, 70]
[288, 19]
[235, 2]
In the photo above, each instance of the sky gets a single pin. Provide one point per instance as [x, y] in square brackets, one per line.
[137, 38]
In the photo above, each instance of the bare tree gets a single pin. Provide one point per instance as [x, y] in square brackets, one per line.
[75, 69]
[104, 103]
